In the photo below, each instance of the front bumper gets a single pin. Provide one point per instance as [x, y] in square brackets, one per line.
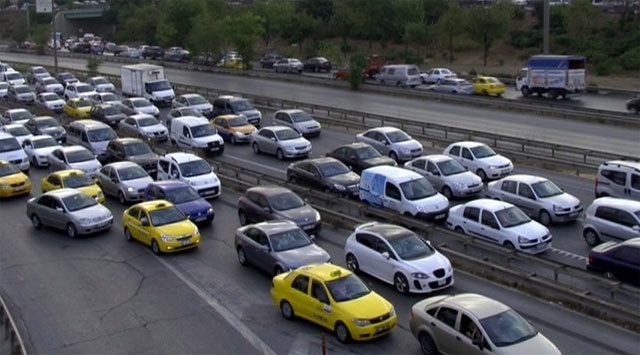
[371, 331]
[437, 216]
[209, 192]
[179, 244]
[95, 227]
[15, 190]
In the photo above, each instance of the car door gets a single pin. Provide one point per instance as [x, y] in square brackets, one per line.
[507, 191]
[109, 180]
[434, 175]
[51, 182]
[320, 305]
[58, 214]
[384, 265]
[454, 152]
[467, 160]
[489, 227]
[365, 252]
[527, 200]
[58, 161]
[299, 297]
[309, 175]
[268, 142]
[257, 248]
[184, 140]
[222, 126]
[633, 189]
[392, 197]
[468, 330]
[444, 329]
[43, 210]
[627, 264]
[133, 223]
[627, 225]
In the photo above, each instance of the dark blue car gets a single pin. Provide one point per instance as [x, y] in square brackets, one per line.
[617, 260]
[183, 196]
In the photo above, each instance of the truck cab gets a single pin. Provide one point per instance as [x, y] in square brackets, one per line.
[148, 81]
[554, 75]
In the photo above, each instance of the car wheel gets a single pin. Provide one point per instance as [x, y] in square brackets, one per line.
[342, 333]
[279, 154]
[316, 69]
[446, 191]
[72, 231]
[174, 143]
[35, 220]
[243, 218]
[127, 235]
[393, 156]
[427, 345]
[255, 148]
[591, 237]
[401, 283]
[232, 139]
[121, 198]
[352, 263]
[459, 230]
[609, 275]
[509, 245]
[422, 81]
[293, 179]
[485, 93]
[545, 218]
[34, 162]
[242, 256]
[482, 175]
[277, 270]
[286, 310]
[155, 247]
[525, 91]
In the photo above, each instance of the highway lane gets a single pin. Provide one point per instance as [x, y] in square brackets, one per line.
[102, 294]
[567, 132]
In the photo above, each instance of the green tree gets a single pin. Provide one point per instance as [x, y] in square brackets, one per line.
[451, 24]
[580, 23]
[433, 10]
[93, 64]
[206, 36]
[246, 27]
[321, 10]
[137, 23]
[487, 24]
[274, 14]
[415, 33]
[343, 24]
[298, 29]
[40, 36]
[176, 22]
[357, 64]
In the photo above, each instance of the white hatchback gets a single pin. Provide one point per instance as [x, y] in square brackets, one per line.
[480, 159]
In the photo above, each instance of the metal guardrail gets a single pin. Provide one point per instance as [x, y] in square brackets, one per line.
[11, 333]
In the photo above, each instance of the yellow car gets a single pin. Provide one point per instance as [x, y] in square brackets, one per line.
[74, 179]
[334, 298]
[77, 108]
[233, 128]
[13, 182]
[161, 225]
[487, 85]
[233, 63]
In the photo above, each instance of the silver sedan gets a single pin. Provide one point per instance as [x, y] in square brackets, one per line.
[392, 142]
[70, 210]
[447, 175]
[277, 246]
[125, 180]
[281, 141]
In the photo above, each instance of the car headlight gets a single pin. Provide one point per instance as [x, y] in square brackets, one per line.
[449, 268]
[493, 167]
[210, 210]
[404, 150]
[84, 220]
[339, 187]
[392, 312]
[317, 216]
[130, 189]
[420, 208]
[557, 208]
[419, 275]
[458, 185]
[25, 160]
[196, 231]
[361, 322]
[166, 237]
[290, 148]
[522, 240]
[4, 186]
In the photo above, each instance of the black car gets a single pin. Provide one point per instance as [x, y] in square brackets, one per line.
[359, 156]
[107, 113]
[269, 60]
[266, 203]
[327, 174]
[317, 64]
[617, 260]
[131, 149]
[633, 105]
[81, 47]
[152, 52]
[66, 78]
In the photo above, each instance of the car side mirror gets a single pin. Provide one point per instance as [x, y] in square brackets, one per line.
[114, 180]
[266, 208]
[144, 221]
[435, 173]
[273, 139]
[386, 255]
[60, 209]
[265, 248]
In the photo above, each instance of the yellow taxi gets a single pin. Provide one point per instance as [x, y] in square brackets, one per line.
[233, 128]
[161, 225]
[335, 298]
[487, 85]
[77, 107]
[232, 63]
[13, 182]
[74, 179]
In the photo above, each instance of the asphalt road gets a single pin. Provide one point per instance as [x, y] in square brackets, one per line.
[586, 135]
[102, 294]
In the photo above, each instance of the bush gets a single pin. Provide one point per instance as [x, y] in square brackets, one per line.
[357, 63]
[92, 66]
[630, 60]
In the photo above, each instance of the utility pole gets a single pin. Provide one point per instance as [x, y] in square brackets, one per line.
[545, 27]
[28, 5]
[55, 36]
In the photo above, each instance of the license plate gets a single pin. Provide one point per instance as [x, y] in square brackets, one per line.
[214, 148]
[504, 171]
[104, 224]
[19, 188]
[440, 216]
[200, 219]
[307, 227]
[382, 328]
[186, 242]
[442, 282]
[574, 214]
[541, 246]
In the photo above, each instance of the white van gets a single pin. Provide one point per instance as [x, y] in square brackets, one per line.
[195, 133]
[191, 169]
[91, 134]
[619, 178]
[404, 191]
[11, 151]
[402, 75]
[13, 78]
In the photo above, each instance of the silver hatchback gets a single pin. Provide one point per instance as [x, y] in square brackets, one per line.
[447, 175]
[301, 121]
[392, 142]
[281, 141]
[611, 218]
[125, 180]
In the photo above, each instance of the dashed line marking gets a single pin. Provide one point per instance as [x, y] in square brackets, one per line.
[568, 254]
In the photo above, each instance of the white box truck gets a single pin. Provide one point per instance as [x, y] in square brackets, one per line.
[554, 75]
[148, 81]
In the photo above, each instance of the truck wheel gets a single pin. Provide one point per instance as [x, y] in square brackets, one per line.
[525, 91]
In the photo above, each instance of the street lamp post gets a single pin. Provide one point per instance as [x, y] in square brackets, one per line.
[55, 37]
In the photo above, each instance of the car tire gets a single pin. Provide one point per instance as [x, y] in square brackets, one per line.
[277, 270]
[127, 235]
[286, 310]
[608, 274]
[316, 69]
[544, 218]
[427, 345]
[121, 198]
[400, 283]
[591, 237]
[292, 179]
[35, 221]
[72, 231]
[242, 256]
[485, 93]
[174, 143]
[279, 154]
[155, 247]
[352, 263]
[242, 216]
[34, 162]
[446, 191]
[459, 230]
[482, 175]
[342, 333]
[393, 156]
[256, 148]
[509, 245]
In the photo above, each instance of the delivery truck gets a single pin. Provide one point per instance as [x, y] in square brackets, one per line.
[148, 81]
[554, 75]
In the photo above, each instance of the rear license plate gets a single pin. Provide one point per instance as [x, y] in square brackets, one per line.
[439, 216]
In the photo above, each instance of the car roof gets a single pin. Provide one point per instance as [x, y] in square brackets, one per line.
[488, 204]
[529, 179]
[384, 129]
[191, 120]
[42, 118]
[385, 230]
[62, 193]
[89, 123]
[122, 164]
[227, 117]
[191, 95]
[319, 160]
[181, 157]
[40, 137]
[622, 163]
[467, 144]
[325, 271]
[277, 128]
[354, 145]
[393, 172]
[13, 125]
[269, 190]
[479, 305]
[290, 110]
[169, 184]
[276, 226]
[14, 110]
[618, 202]
[5, 135]
[68, 172]
[153, 205]
[139, 116]
[436, 158]
[73, 148]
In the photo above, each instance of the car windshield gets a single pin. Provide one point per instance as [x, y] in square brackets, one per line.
[137, 148]
[417, 189]
[508, 328]
[18, 131]
[189, 111]
[203, 130]
[195, 168]
[78, 202]
[286, 201]
[99, 81]
[511, 217]
[546, 189]
[109, 97]
[44, 143]
[492, 80]
[77, 156]
[398, 136]
[451, 167]
[413, 71]
[110, 110]
[50, 97]
[83, 103]
[367, 153]
[197, 100]
[101, 134]
[411, 247]
[148, 122]
[301, 116]
[49, 122]
[4, 85]
[347, 288]
[67, 76]
[241, 105]
[160, 85]
[20, 115]
[23, 89]
[140, 103]
[50, 81]
[166, 215]
[286, 134]
[78, 180]
[291, 239]
[84, 88]
[39, 71]
[333, 168]
[182, 195]
[8, 169]
[482, 151]
[13, 76]
[238, 121]
[9, 144]
[132, 173]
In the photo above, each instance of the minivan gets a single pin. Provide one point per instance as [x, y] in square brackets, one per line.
[401, 75]
[619, 178]
[91, 134]
[195, 133]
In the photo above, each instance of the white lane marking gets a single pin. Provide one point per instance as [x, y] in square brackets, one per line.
[568, 254]
[234, 321]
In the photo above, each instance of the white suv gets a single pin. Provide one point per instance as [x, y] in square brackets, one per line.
[191, 169]
[619, 178]
[611, 218]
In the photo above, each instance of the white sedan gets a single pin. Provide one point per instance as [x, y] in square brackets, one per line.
[480, 159]
[144, 126]
[141, 105]
[399, 257]
[38, 148]
[50, 101]
[17, 130]
[501, 223]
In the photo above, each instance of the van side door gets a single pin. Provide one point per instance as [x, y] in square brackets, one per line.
[392, 197]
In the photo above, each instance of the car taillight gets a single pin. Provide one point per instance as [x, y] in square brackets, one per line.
[589, 260]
